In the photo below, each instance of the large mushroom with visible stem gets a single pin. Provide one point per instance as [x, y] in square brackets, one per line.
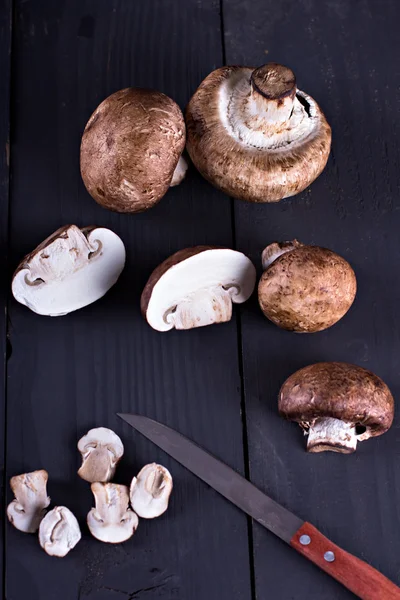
[305, 288]
[112, 520]
[196, 287]
[69, 270]
[59, 532]
[31, 500]
[131, 150]
[254, 135]
[337, 405]
[150, 491]
[101, 450]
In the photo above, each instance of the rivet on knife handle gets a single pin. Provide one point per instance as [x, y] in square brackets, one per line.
[359, 577]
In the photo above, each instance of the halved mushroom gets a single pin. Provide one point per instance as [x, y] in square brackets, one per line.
[31, 500]
[70, 269]
[112, 520]
[254, 135]
[101, 450]
[131, 150]
[59, 532]
[150, 491]
[196, 287]
[337, 405]
[305, 288]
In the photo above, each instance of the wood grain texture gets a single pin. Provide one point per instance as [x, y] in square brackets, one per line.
[342, 54]
[71, 373]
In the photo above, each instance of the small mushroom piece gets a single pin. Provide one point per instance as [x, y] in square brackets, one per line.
[31, 500]
[254, 135]
[59, 532]
[70, 269]
[150, 491]
[196, 287]
[112, 520]
[305, 288]
[101, 450]
[337, 405]
[131, 150]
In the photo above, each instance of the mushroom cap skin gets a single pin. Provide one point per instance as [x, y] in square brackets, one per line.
[69, 270]
[196, 287]
[305, 288]
[31, 500]
[130, 149]
[150, 491]
[338, 391]
[101, 450]
[112, 521]
[254, 135]
[59, 532]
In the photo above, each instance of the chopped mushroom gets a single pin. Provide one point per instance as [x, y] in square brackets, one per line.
[101, 450]
[131, 150]
[254, 135]
[59, 532]
[150, 491]
[112, 520]
[31, 500]
[337, 405]
[70, 269]
[305, 288]
[196, 287]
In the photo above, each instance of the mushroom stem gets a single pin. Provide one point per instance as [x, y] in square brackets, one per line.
[273, 90]
[180, 172]
[332, 434]
[204, 307]
[275, 250]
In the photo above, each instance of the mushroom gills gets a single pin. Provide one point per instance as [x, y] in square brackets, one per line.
[204, 307]
[327, 433]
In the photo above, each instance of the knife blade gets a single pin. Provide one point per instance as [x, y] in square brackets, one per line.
[359, 577]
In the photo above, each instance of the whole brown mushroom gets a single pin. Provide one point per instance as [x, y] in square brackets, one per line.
[131, 150]
[337, 405]
[305, 288]
[254, 135]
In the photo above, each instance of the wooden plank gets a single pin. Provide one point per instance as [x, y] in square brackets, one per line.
[343, 55]
[71, 373]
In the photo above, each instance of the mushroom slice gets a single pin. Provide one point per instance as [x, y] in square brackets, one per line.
[196, 287]
[31, 500]
[112, 520]
[254, 135]
[337, 405]
[70, 269]
[59, 532]
[150, 491]
[131, 149]
[101, 450]
[305, 288]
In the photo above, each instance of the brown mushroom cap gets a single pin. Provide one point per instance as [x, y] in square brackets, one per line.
[130, 148]
[339, 390]
[254, 136]
[307, 288]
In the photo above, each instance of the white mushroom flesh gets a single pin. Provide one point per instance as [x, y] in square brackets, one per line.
[59, 532]
[198, 290]
[31, 500]
[101, 449]
[180, 172]
[71, 272]
[327, 433]
[150, 491]
[112, 520]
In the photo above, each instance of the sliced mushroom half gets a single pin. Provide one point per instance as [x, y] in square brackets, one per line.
[59, 532]
[70, 269]
[150, 491]
[112, 520]
[101, 450]
[196, 287]
[31, 500]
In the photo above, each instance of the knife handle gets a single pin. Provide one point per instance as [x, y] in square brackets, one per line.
[356, 575]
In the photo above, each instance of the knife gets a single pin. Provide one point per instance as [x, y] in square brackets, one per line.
[357, 576]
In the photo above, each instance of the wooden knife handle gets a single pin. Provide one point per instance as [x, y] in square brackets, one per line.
[361, 579]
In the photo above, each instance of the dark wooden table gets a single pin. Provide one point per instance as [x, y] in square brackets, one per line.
[218, 385]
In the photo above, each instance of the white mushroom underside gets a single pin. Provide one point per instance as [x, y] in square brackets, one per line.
[238, 109]
[272, 252]
[71, 278]
[59, 532]
[150, 491]
[111, 521]
[328, 433]
[31, 501]
[199, 290]
[180, 172]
